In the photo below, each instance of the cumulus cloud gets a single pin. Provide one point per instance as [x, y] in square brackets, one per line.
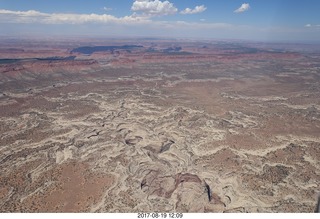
[154, 7]
[36, 17]
[32, 16]
[244, 7]
[196, 10]
[13, 22]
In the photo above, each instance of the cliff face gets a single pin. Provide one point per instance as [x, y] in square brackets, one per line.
[44, 68]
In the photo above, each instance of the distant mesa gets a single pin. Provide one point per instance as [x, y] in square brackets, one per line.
[173, 49]
[88, 50]
[55, 58]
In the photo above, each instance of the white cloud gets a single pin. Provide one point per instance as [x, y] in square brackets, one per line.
[134, 24]
[154, 7]
[107, 9]
[36, 17]
[244, 7]
[197, 9]
[312, 25]
[31, 16]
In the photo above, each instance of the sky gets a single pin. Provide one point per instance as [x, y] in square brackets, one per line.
[261, 20]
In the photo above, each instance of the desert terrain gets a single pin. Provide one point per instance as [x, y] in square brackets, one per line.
[158, 125]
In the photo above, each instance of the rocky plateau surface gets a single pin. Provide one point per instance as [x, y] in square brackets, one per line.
[187, 134]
